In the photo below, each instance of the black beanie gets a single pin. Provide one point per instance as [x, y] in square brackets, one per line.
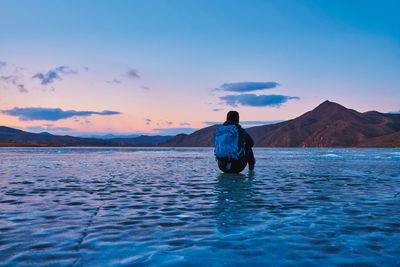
[233, 116]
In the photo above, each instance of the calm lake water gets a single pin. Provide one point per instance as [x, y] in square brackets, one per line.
[158, 207]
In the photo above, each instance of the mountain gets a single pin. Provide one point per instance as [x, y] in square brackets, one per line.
[201, 138]
[11, 135]
[328, 125]
[108, 136]
[45, 133]
[142, 140]
[14, 137]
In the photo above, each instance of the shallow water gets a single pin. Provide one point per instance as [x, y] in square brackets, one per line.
[110, 206]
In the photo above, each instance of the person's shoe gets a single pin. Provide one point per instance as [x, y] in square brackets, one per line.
[251, 167]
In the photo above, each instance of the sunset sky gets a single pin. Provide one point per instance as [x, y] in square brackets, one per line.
[166, 67]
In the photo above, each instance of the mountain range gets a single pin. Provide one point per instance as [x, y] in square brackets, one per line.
[328, 125]
[14, 137]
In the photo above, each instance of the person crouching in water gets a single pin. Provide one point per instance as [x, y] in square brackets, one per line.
[233, 145]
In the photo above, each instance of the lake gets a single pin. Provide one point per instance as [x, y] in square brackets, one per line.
[167, 207]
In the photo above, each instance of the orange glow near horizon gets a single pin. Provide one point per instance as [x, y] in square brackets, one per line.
[187, 63]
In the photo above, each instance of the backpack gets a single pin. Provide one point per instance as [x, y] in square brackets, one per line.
[227, 142]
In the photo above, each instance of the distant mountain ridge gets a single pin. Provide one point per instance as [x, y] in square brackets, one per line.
[14, 137]
[108, 136]
[328, 125]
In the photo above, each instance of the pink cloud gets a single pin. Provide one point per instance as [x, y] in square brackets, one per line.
[133, 74]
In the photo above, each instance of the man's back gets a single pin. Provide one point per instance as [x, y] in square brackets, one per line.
[243, 143]
[244, 137]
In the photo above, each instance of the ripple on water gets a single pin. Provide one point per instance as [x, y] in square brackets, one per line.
[94, 206]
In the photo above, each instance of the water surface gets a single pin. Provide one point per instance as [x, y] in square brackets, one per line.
[160, 207]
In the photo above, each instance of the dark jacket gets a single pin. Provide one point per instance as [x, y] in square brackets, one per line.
[244, 138]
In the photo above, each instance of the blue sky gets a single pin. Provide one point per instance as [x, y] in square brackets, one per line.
[177, 64]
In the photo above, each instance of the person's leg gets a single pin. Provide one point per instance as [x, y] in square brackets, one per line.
[239, 164]
[232, 165]
[224, 165]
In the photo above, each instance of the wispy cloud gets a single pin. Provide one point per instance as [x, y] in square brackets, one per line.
[147, 121]
[146, 88]
[256, 100]
[164, 123]
[22, 88]
[252, 123]
[2, 64]
[66, 70]
[9, 79]
[174, 131]
[51, 114]
[114, 81]
[217, 109]
[247, 86]
[13, 80]
[53, 74]
[82, 122]
[133, 74]
[47, 78]
[184, 124]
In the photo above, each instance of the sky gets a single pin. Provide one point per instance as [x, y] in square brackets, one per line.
[174, 66]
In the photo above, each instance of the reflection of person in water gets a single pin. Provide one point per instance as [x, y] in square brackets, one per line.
[233, 145]
[235, 194]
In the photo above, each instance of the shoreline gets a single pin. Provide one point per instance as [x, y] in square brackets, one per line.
[29, 145]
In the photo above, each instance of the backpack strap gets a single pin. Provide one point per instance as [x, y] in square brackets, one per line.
[241, 148]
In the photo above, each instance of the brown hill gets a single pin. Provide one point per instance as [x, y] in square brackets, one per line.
[328, 125]
[13, 137]
[201, 138]
[390, 140]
